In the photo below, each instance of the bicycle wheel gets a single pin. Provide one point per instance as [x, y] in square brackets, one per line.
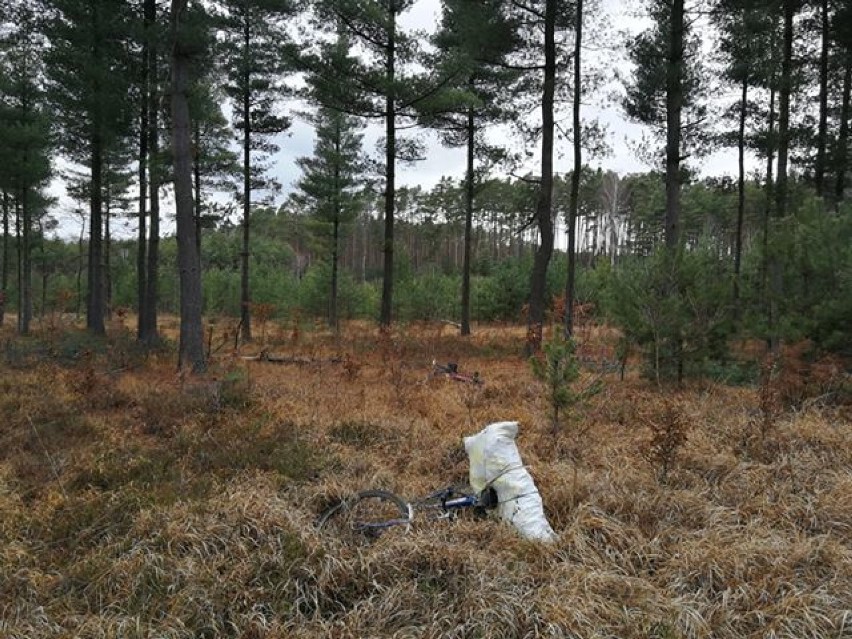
[365, 516]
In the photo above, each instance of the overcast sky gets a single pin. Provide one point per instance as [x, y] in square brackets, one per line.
[441, 161]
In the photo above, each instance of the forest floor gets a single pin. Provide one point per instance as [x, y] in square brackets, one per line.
[135, 502]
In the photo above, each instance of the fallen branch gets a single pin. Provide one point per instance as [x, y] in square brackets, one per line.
[265, 356]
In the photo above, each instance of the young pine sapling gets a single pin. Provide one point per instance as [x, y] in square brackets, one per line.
[558, 367]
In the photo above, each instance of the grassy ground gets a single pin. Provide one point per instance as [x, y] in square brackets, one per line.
[136, 503]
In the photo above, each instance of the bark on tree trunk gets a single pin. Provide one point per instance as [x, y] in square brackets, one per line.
[4, 274]
[142, 215]
[390, 169]
[25, 311]
[149, 334]
[843, 134]
[574, 195]
[468, 223]
[785, 88]
[674, 101]
[245, 295]
[95, 294]
[107, 265]
[196, 179]
[19, 271]
[332, 311]
[738, 240]
[144, 133]
[191, 349]
[544, 207]
[769, 188]
[335, 232]
[822, 131]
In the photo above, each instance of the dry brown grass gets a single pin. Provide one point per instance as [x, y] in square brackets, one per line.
[134, 503]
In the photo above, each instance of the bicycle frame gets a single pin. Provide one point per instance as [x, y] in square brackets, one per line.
[444, 500]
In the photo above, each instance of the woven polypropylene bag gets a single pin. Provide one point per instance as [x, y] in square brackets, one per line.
[495, 461]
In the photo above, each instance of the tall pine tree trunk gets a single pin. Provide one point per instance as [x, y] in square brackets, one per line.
[842, 161]
[95, 280]
[142, 176]
[191, 349]
[544, 207]
[574, 195]
[768, 190]
[785, 89]
[674, 104]
[141, 239]
[149, 334]
[245, 298]
[335, 232]
[196, 182]
[390, 168]
[333, 320]
[25, 311]
[468, 222]
[95, 293]
[19, 271]
[152, 279]
[4, 269]
[107, 264]
[738, 240]
[822, 130]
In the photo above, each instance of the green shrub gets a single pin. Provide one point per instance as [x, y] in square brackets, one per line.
[674, 308]
[354, 299]
[429, 297]
[502, 295]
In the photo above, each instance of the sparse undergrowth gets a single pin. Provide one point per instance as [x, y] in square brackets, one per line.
[134, 503]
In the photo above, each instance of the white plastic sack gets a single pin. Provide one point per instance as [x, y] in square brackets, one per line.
[495, 461]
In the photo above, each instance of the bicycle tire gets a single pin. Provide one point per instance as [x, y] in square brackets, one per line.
[366, 515]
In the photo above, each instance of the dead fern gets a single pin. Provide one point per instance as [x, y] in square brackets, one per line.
[668, 428]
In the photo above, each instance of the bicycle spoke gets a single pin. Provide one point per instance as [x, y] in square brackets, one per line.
[366, 516]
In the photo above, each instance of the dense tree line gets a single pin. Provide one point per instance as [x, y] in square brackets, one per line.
[130, 94]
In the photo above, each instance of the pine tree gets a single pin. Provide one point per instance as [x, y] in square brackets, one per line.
[330, 185]
[25, 143]
[746, 30]
[215, 166]
[843, 35]
[822, 130]
[786, 88]
[378, 85]
[152, 90]
[4, 268]
[538, 23]
[87, 66]
[665, 93]
[474, 40]
[184, 52]
[575, 174]
[253, 59]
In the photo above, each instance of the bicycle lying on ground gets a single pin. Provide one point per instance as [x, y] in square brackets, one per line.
[365, 515]
[451, 371]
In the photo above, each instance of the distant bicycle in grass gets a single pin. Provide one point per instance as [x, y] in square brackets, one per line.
[366, 515]
[451, 371]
